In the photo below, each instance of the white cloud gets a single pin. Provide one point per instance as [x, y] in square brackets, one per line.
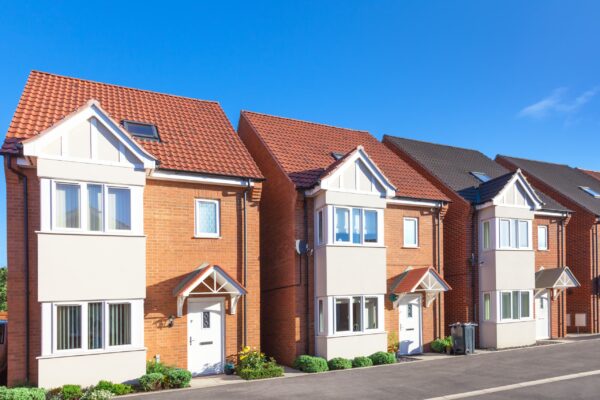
[558, 103]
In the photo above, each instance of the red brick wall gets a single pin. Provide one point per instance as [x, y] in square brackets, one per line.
[399, 259]
[578, 250]
[283, 271]
[173, 252]
[457, 250]
[16, 277]
[551, 259]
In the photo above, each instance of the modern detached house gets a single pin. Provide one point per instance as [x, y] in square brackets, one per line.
[141, 235]
[579, 191]
[350, 242]
[504, 245]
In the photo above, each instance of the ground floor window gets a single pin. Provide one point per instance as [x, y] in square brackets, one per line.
[355, 314]
[91, 326]
[487, 306]
[515, 304]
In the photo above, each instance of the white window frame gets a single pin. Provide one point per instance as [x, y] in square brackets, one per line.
[84, 226]
[350, 332]
[512, 317]
[544, 229]
[320, 226]
[199, 234]
[486, 228]
[361, 242]
[106, 347]
[513, 234]
[487, 317]
[410, 245]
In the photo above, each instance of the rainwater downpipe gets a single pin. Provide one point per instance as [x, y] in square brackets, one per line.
[474, 264]
[245, 200]
[306, 280]
[437, 259]
[23, 179]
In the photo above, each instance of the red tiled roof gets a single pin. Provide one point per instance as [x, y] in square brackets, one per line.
[594, 174]
[407, 281]
[303, 149]
[195, 135]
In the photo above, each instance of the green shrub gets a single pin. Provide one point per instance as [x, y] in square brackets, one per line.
[98, 394]
[22, 393]
[360, 362]
[71, 392]
[311, 364]
[177, 378]
[439, 345]
[151, 382]
[268, 370]
[339, 363]
[154, 367]
[382, 357]
[118, 389]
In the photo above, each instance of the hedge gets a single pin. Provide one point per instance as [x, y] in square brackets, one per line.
[270, 370]
[22, 393]
[339, 363]
[382, 357]
[311, 364]
[360, 362]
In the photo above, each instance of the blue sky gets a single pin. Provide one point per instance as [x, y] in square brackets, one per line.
[512, 77]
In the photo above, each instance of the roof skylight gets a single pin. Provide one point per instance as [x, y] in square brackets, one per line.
[482, 176]
[141, 130]
[590, 191]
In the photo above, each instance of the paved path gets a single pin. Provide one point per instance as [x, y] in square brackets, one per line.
[455, 377]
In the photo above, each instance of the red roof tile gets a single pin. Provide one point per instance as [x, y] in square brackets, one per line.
[407, 281]
[594, 174]
[303, 149]
[196, 136]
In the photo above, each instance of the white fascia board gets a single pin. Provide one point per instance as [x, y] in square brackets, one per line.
[199, 178]
[551, 213]
[33, 145]
[518, 176]
[416, 203]
[484, 205]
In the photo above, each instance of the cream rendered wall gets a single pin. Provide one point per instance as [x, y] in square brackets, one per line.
[515, 334]
[354, 270]
[90, 267]
[86, 370]
[351, 346]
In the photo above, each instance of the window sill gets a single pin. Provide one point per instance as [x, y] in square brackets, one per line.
[207, 237]
[349, 334]
[92, 352]
[91, 233]
[342, 244]
[410, 247]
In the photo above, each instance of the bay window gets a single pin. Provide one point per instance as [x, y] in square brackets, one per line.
[94, 326]
[486, 235]
[320, 232]
[354, 225]
[92, 207]
[356, 314]
[515, 305]
[487, 306]
[514, 234]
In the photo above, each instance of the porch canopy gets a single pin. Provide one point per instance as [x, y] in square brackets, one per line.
[419, 280]
[208, 280]
[556, 279]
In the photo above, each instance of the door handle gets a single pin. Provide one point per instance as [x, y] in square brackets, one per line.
[205, 343]
[191, 340]
[410, 329]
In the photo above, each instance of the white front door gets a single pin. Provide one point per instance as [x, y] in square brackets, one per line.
[205, 336]
[542, 315]
[410, 325]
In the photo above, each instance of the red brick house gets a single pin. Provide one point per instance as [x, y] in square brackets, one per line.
[580, 191]
[351, 250]
[141, 239]
[504, 249]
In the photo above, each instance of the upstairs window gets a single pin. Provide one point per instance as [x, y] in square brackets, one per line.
[141, 130]
[486, 235]
[514, 234]
[411, 232]
[356, 225]
[542, 232]
[590, 191]
[320, 232]
[91, 207]
[207, 218]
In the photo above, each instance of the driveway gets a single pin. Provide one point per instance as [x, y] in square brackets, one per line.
[459, 376]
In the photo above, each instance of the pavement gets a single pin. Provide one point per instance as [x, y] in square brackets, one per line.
[566, 370]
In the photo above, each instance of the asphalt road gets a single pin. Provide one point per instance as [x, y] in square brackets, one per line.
[430, 379]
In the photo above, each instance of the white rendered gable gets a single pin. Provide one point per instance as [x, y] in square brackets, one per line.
[518, 193]
[89, 135]
[358, 174]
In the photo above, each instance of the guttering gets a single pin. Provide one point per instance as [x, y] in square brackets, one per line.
[416, 202]
[548, 213]
[23, 178]
[200, 178]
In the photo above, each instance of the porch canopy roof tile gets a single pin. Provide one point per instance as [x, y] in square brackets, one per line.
[425, 280]
[555, 278]
[212, 280]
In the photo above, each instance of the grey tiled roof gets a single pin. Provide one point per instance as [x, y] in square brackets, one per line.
[454, 165]
[564, 179]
